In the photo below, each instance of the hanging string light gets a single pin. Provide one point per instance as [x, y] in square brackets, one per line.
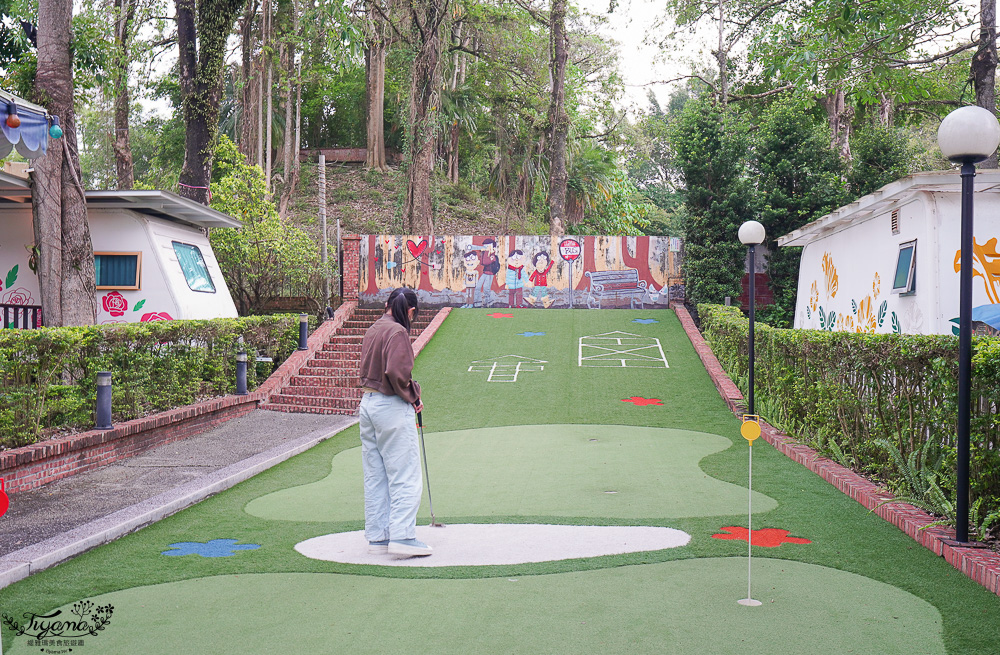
[13, 120]
[55, 131]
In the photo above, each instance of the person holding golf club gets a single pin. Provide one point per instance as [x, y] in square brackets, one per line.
[389, 451]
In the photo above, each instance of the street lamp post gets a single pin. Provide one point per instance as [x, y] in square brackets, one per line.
[966, 136]
[751, 234]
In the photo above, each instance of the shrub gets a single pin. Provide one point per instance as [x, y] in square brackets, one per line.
[49, 375]
[875, 399]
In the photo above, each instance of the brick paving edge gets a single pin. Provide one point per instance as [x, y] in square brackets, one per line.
[981, 565]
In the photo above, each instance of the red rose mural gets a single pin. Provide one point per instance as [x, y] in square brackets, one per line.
[19, 296]
[156, 316]
[114, 303]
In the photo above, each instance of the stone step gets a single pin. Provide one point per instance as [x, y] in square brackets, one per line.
[299, 409]
[346, 338]
[342, 347]
[326, 371]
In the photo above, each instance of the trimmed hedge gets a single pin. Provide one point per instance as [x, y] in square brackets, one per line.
[48, 376]
[841, 393]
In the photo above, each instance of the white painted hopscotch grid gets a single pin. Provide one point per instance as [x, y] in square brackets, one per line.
[621, 350]
[508, 367]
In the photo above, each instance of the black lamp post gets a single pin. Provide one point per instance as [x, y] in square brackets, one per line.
[967, 135]
[752, 234]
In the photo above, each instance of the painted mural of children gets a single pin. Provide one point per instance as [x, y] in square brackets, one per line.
[539, 277]
[515, 279]
[471, 262]
[491, 266]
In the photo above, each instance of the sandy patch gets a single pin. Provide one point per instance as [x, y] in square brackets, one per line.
[474, 544]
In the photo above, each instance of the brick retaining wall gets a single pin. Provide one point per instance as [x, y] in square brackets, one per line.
[980, 564]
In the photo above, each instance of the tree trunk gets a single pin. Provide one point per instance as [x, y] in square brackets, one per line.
[201, 41]
[61, 227]
[558, 119]
[722, 56]
[886, 111]
[425, 81]
[984, 65]
[839, 114]
[248, 129]
[124, 14]
[288, 134]
[375, 103]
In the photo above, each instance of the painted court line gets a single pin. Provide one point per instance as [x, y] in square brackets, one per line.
[508, 367]
[621, 350]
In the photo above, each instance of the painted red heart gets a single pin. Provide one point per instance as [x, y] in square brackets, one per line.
[416, 249]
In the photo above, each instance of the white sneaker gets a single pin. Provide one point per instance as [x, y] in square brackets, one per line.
[409, 548]
[378, 547]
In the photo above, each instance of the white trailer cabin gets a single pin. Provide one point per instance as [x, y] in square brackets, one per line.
[889, 262]
[153, 259]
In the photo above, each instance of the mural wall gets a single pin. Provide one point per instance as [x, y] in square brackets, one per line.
[519, 271]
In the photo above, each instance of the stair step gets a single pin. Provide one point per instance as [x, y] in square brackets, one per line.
[316, 401]
[334, 379]
[342, 347]
[298, 409]
[353, 391]
[325, 371]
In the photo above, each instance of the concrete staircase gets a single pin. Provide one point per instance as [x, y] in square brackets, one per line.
[328, 383]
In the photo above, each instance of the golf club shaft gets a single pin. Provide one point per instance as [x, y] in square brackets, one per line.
[427, 476]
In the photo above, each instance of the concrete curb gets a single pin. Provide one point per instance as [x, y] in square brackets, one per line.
[981, 565]
[22, 563]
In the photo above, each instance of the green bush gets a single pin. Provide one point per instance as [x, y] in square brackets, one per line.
[49, 376]
[863, 397]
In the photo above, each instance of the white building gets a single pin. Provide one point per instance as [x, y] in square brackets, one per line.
[153, 259]
[889, 262]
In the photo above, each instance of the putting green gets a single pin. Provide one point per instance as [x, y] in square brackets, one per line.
[687, 606]
[624, 472]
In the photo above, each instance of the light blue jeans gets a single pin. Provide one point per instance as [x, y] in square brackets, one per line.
[390, 459]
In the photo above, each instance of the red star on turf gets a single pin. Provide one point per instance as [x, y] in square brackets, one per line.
[639, 401]
[768, 537]
[499, 315]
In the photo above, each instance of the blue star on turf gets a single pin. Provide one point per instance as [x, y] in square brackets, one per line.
[645, 321]
[213, 548]
[531, 334]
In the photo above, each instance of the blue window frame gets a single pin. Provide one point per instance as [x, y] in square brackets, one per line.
[194, 268]
[904, 282]
[117, 270]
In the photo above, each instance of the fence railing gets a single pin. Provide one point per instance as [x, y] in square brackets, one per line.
[23, 317]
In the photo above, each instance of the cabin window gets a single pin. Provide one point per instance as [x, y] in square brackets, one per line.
[904, 282]
[194, 268]
[117, 270]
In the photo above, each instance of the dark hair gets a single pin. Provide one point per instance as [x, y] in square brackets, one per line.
[517, 252]
[540, 254]
[471, 253]
[399, 302]
[488, 240]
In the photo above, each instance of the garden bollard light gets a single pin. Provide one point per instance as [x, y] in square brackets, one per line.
[104, 400]
[241, 373]
[303, 331]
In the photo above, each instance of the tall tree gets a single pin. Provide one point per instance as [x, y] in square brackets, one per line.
[558, 118]
[426, 17]
[202, 31]
[377, 40]
[984, 64]
[124, 18]
[62, 234]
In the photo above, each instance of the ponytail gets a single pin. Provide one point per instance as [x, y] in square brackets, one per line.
[399, 303]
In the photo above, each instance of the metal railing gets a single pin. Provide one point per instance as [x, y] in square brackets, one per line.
[23, 317]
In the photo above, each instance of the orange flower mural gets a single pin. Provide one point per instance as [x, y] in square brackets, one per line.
[987, 258]
[830, 273]
[813, 296]
[846, 323]
[867, 320]
[876, 286]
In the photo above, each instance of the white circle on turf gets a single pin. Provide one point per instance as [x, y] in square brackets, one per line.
[475, 544]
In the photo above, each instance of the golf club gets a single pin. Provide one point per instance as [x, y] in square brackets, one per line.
[427, 477]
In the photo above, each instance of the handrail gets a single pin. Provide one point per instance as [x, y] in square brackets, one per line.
[23, 317]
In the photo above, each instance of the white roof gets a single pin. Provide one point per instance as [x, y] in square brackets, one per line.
[162, 204]
[884, 199]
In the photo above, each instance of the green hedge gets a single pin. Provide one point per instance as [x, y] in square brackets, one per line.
[48, 376]
[883, 404]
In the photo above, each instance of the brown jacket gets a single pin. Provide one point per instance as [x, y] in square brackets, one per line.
[387, 360]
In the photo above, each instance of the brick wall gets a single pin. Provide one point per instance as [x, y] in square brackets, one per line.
[352, 266]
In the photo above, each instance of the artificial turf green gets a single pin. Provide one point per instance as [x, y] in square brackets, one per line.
[688, 606]
[542, 470]
[844, 535]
